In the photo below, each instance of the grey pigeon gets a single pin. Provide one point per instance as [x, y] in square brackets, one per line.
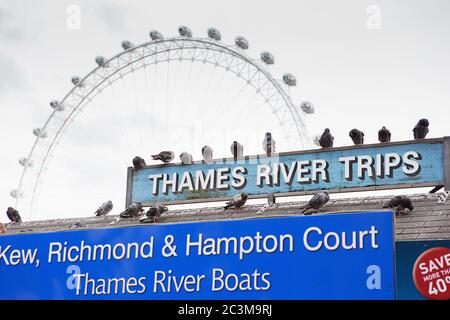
[186, 158]
[269, 144]
[384, 135]
[421, 129]
[164, 156]
[326, 139]
[237, 201]
[104, 209]
[132, 211]
[13, 215]
[357, 136]
[237, 150]
[207, 154]
[317, 202]
[154, 213]
[138, 162]
[399, 204]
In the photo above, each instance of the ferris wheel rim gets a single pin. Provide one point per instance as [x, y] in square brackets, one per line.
[227, 49]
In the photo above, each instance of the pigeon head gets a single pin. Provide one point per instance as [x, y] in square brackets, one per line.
[411, 207]
[424, 123]
[10, 209]
[244, 195]
[268, 134]
[327, 130]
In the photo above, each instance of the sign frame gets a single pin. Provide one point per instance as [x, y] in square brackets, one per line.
[445, 141]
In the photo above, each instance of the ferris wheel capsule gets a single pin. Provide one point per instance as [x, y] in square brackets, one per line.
[185, 31]
[126, 45]
[24, 162]
[241, 42]
[307, 107]
[289, 79]
[156, 35]
[39, 133]
[101, 61]
[267, 57]
[76, 81]
[213, 33]
[56, 106]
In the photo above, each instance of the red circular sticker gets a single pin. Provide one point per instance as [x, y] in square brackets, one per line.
[431, 273]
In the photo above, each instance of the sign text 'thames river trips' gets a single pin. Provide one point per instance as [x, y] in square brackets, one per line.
[378, 166]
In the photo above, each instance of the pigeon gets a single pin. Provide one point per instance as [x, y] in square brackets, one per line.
[317, 202]
[237, 149]
[104, 209]
[326, 139]
[132, 211]
[13, 215]
[186, 158]
[138, 162]
[269, 144]
[421, 129]
[164, 156]
[154, 213]
[207, 153]
[237, 201]
[399, 204]
[384, 135]
[357, 136]
[2, 228]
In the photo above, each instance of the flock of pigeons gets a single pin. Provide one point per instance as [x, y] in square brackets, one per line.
[153, 214]
[420, 131]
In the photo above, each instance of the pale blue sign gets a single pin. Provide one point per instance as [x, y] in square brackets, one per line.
[363, 168]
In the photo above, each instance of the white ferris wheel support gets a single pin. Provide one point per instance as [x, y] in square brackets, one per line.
[231, 58]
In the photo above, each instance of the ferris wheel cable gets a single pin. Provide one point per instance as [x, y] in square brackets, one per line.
[199, 107]
[186, 89]
[195, 85]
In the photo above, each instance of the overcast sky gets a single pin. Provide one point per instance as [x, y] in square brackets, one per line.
[362, 64]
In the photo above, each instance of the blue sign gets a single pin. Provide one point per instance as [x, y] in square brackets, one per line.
[396, 165]
[336, 256]
[407, 253]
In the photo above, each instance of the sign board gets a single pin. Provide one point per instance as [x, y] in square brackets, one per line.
[357, 168]
[436, 272]
[337, 256]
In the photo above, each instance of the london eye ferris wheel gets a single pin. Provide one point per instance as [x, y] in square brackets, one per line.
[176, 92]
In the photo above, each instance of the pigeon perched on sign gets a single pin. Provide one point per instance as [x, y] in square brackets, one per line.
[384, 135]
[207, 154]
[421, 129]
[138, 162]
[237, 150]
[237, 201]
[154, 213]
[399, 204]
[104, 209]
[13, 215]
[186, 158]
[164, 156]
[326, 139]
[357, 136]
[317, 202]
[269, 144]
[132, 211]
